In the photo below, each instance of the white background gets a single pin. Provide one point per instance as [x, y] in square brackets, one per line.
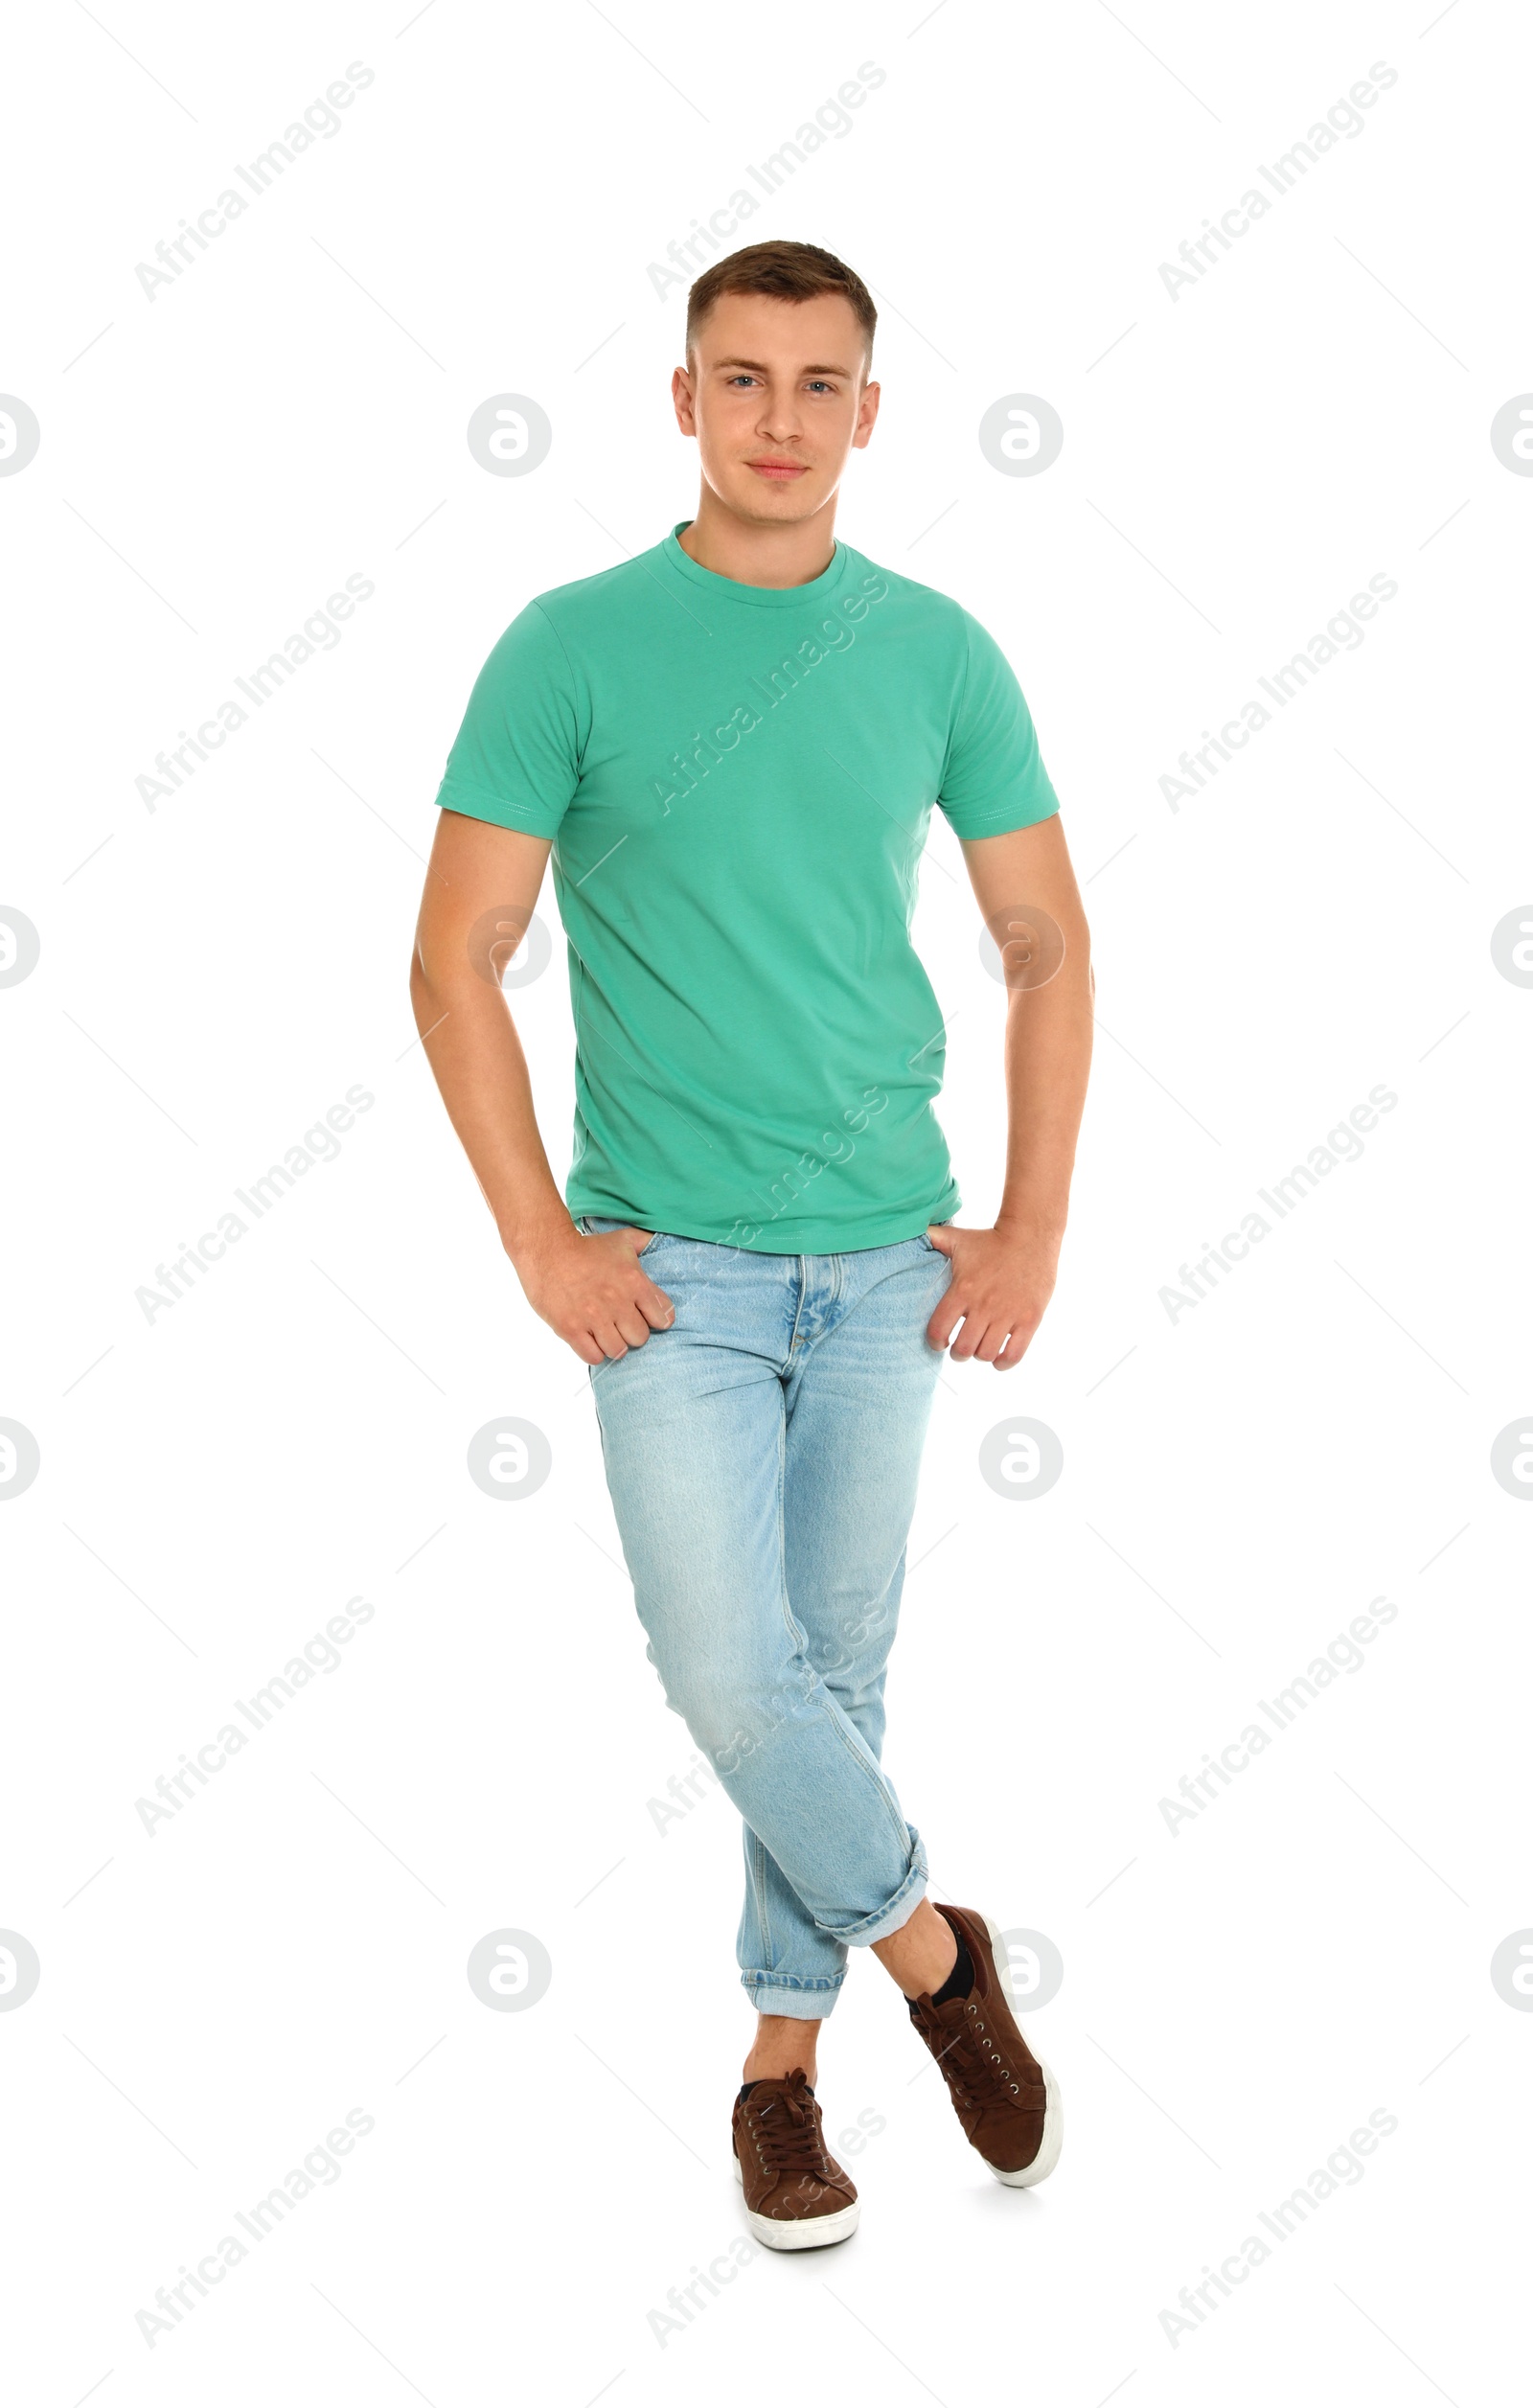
[1239, 1482]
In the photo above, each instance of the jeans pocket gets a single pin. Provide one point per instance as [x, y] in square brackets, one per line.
[596, 1223]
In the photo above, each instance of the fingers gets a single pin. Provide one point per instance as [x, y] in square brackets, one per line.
[618, 1323]
[627, 1325]
[977, 1341]
[944, 1322]
[961, 1323]
[649, 1308]
[627, 1328]
[655, 1305]
[997, 1343]
[634, 1325]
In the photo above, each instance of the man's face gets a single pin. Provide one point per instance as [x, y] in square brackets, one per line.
[775, 395]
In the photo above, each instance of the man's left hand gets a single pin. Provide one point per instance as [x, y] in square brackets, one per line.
[1002, 1279]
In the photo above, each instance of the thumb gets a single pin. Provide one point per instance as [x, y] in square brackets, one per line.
[941, 1236]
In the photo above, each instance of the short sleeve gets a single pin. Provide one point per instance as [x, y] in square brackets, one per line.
[994, 777]
[515, 758]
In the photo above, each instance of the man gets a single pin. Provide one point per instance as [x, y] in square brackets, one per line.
[735, 741]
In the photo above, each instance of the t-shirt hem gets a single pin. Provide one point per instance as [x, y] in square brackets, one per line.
[1003, 820]
[798, 1237]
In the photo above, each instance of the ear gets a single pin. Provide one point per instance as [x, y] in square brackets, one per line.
[682, 398]
[867, 412]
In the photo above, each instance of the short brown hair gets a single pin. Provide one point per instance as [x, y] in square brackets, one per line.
[785, 271]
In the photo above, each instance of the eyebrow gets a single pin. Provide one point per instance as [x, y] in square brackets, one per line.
[760, 368]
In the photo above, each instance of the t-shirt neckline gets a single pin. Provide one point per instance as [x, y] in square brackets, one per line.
[758, 597]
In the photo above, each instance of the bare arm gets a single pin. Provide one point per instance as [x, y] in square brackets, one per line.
[1003, 1278]
[481, 885]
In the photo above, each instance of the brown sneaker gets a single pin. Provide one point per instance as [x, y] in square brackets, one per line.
[797, 2195]
[1007, 2100]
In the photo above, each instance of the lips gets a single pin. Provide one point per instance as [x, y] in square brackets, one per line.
[778, 471]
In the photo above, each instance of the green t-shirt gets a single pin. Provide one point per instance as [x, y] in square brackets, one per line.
[738, 781]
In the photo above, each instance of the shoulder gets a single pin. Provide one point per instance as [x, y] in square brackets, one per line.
[550, 632]
[936, 613]
[591, 603]
[590, 593]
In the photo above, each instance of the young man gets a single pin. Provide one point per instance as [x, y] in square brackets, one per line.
[735, 741]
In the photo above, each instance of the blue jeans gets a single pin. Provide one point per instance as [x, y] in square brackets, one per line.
[761, 1455]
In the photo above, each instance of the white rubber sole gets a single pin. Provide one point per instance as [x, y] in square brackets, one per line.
[1053, 2141]
[806, 2232]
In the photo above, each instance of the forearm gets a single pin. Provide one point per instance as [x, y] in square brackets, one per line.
[1030, 902]
[478, 1061]
[1047, 1062]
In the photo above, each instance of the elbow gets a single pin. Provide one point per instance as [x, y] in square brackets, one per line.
[423, 993]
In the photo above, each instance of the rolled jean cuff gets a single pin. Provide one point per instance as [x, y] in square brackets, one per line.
[899, 1908]
[810, 2001]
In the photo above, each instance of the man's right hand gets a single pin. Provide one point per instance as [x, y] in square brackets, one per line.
[594, 1290]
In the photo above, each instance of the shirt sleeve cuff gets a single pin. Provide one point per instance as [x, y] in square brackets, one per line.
[523, 812]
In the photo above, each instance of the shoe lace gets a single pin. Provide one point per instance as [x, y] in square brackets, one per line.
[787, 2131]
[975, 2068]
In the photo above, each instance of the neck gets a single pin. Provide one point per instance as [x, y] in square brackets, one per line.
[753, 553]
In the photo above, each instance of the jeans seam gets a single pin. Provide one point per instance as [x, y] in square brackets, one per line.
[874, 1770]
[860, 1754]
[802, 1276]
[800, 1982]
[758, 1870]
[793, 1627]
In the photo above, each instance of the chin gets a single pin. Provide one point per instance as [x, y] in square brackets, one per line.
[776, 505]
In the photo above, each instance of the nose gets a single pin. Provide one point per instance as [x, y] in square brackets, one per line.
[779, 419]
